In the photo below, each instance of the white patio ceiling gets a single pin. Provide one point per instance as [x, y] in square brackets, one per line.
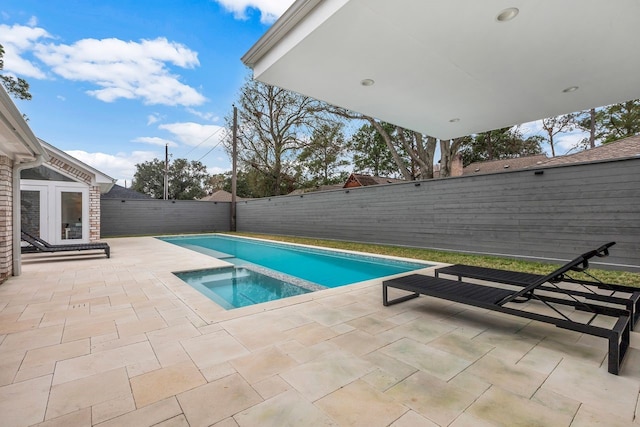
[450, 68]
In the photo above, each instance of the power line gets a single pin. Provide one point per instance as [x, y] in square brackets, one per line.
[212, 148]
[205, 140]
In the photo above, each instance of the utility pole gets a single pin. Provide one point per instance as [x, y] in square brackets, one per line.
[234, 177]
[166, 171]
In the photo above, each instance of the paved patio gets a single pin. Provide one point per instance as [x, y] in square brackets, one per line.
[122, 342]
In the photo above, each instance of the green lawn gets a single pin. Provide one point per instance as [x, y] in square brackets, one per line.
[619, 277]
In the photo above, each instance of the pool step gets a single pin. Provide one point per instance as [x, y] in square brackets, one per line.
[226, 274]
[210, 252]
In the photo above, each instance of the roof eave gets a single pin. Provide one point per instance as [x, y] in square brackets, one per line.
[291, 17]
[21, 130]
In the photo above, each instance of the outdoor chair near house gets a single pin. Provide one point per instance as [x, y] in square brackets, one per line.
[37, 245]
[565, 311]
[595, 289]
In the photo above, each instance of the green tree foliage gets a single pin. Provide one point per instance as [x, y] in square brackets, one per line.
[620, 120]
[14, 85]
[322, 161]
[504, 143]
[370, 152]
[187, 180]
[243, 184]
[609, 123]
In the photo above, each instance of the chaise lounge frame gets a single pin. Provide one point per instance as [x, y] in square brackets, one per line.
[630, 300]
[37, 245]
[496, 299]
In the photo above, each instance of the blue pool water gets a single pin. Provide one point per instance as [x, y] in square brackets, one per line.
[266, 271]
[325, 268]
[234, 287]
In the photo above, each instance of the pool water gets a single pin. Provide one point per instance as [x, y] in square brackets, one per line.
[265, 271]
[234, 287]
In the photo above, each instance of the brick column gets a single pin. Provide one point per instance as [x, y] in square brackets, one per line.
[94, 213]
[6, 218]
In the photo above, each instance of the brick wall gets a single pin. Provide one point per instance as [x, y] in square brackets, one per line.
[94, 213]
[6, 218]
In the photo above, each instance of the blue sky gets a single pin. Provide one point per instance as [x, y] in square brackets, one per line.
[114, 81]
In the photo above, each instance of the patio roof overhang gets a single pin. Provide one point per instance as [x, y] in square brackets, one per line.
[453, 68]
[17, 141]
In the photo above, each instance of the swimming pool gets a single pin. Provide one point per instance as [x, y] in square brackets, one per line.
[234, 287]
[304, 267]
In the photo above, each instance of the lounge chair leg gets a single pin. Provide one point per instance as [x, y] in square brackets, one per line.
[385, 297]
[618, 344]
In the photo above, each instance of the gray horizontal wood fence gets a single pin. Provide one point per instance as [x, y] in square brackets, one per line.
[119, 217]
[554, 213]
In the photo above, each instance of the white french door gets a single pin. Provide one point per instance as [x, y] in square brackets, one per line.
[57, 212]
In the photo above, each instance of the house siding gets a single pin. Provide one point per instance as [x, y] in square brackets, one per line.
[6, 218]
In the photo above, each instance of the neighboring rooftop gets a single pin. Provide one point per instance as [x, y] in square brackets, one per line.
[623, 148]
[493, 166]
[219, 196]
[360, 180]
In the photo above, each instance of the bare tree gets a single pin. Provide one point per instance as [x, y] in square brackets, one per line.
[555, 125]
[275, 125]
[448, 150]
[418, 147]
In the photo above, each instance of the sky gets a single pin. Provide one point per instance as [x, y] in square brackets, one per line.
[114, 81]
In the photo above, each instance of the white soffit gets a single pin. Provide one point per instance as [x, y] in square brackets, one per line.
[450, 68]
[17, 141]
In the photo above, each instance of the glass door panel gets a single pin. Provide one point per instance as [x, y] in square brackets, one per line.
[71, 215]
[31, 210]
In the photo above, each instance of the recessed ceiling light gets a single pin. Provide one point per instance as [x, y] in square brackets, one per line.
[367, 82]
[570, 89]
[507, 14]
[456, 120]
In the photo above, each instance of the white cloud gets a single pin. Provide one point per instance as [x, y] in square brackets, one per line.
[153, 118]
[119, 69]
[18, 41]
[211, 117]
[154, 140]
[567, 143]
[33, 21]
[195, 134]
[130, 70]
[121, 166]
[269, 10]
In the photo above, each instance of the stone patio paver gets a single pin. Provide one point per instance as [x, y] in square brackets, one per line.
[86, 341]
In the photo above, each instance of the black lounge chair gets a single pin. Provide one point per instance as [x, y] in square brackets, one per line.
[37, 245]
[501, 300]
[626, 296]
